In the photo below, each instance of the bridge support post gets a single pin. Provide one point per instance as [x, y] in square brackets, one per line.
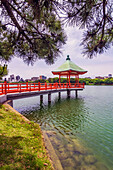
[49, 98]
[59, 95]
[68, 93]
[76, 93]
[41, 98]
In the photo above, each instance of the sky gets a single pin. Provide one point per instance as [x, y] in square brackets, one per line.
[101, 65]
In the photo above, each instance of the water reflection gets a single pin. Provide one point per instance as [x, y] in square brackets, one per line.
[64, 121]
[65, 116]
[82, 124]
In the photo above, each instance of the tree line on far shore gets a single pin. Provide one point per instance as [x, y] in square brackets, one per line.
[86, 81]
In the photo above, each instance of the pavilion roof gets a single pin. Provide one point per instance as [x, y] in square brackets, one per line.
[69, 66]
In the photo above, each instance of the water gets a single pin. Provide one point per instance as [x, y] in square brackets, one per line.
[81, 130]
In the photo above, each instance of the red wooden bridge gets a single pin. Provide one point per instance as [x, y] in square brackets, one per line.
[12, 91]
[8, 88]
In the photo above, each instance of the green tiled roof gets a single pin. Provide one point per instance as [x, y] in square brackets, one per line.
[69, 65]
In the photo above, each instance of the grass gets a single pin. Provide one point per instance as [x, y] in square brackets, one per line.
[21, 143]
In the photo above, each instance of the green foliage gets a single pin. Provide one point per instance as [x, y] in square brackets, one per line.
[96, 81]
[108, 81]
[3, 71]
[87, 81]
[97, 19]
[33, 29]
[30, 30]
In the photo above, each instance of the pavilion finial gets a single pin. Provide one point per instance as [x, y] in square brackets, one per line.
[67, 57]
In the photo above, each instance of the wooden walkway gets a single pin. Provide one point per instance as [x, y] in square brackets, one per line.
[6, 88]
[13, 91]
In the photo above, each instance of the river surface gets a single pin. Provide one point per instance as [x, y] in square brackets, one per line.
[80, 130]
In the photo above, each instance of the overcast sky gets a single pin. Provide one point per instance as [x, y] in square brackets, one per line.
[102, 65]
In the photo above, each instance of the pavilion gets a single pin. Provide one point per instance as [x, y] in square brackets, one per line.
[69, 69]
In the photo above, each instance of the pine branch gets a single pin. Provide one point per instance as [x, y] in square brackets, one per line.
[10, 13]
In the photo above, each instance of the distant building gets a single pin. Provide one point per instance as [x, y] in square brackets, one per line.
[109, 75]
[9, 79]
[12, 78]
[34, 78]
[22, 80]
[99, 77]
[42, 77]
[106, 77]
[17, 78]
[87, 77]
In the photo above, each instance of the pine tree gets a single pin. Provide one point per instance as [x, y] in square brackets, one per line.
[96, 17]
[29, 29]
[33, 29]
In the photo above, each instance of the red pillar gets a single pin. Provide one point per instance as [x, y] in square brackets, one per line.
[67, 78]
[59, 78]
[75, 79]
[5, 86]
[78, 78]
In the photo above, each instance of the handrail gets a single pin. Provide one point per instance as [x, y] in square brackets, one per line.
[6, 88]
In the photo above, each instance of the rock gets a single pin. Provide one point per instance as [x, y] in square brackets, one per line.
[70, 147]
[89, 159]
[56, 142]
[62, 154]
[68, 163]
[79, 148]
[78, 159]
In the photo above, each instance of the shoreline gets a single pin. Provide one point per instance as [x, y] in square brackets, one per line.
[53, 158]
[21, 119]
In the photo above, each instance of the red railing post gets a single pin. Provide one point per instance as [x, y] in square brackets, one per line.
[60, 85]
[51, 86]
[2, 89]
[27, 85]
[83, 85]
[45, 86]
[63, 85]
[17, 87]
[5, 86]
[20, 88]
[34, 86]
[39, 86]
[8, 86]
[66, 85]
[30, 87]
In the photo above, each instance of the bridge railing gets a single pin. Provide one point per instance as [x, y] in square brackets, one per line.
[6, 88]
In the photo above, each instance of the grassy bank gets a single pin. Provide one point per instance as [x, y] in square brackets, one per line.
[21, 143]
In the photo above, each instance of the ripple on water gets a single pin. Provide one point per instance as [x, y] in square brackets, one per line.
[88, 120]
